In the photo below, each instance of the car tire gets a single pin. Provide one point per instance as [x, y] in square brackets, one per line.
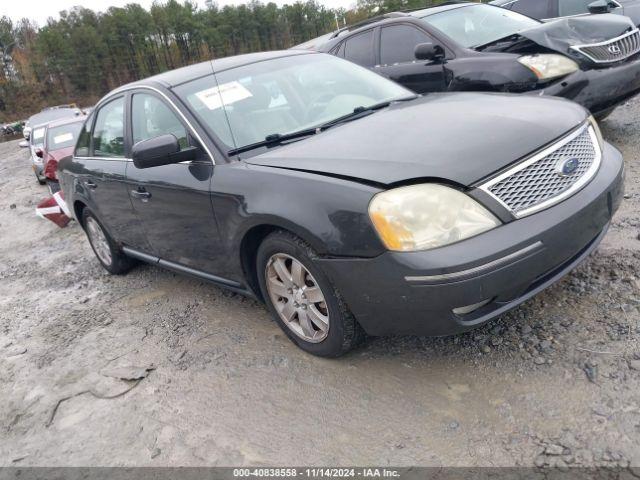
[106, 250]
[319, 323]
[41, 181]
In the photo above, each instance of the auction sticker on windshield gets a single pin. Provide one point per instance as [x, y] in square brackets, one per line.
[224, 94]
[65, 137]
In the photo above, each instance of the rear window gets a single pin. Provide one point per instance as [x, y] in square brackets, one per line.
[63, 136]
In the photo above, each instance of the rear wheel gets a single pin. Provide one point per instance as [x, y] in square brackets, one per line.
[107, 251]
[301, 298]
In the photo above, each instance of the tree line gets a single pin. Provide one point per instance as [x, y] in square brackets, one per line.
[83, 54]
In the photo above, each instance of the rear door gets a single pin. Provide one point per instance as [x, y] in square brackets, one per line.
[172, 201]
[398, 63]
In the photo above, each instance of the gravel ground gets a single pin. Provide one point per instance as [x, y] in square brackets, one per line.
[157, 369]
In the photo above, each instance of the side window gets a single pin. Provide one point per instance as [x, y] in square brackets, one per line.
[567, 8]
[108, 132]
[359, 49]
[151, 117]
[84, 139]
[533, 8]
[398, 42]
[37, 137]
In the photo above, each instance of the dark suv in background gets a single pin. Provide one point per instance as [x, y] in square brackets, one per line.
[593, 60]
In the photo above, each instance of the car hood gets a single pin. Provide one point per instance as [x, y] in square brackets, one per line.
[457, 137]
[561, 34]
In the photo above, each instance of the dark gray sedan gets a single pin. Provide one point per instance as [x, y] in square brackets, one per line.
[344, 201]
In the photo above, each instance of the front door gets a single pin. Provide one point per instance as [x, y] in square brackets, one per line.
[172, 201]
[101, 153]
[397, 60]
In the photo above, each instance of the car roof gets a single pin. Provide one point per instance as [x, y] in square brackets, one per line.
[66, 121]
[47, 116]
[425, 12]
[331, 38]
[181, 75]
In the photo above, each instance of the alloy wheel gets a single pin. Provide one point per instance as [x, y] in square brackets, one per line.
[297, 298]
[99, 240]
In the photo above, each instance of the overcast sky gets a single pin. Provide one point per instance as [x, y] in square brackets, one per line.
[40, 10]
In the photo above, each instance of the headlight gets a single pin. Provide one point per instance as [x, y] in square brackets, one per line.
[596, 129]
[420, 217]
[547, 66]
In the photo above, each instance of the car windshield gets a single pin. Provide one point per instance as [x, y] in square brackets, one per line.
[37, 137]
[245, 105]
[63, 136]
[475, 25]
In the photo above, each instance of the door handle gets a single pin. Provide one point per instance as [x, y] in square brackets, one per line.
[141, 194]
[91, 185]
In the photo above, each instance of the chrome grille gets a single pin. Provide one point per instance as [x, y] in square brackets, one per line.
[612, 50]
[539, 182]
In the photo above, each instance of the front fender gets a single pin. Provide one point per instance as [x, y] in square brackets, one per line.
[331, 214]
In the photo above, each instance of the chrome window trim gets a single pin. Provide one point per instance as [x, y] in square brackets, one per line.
[479, 269]
[581, 182]
[173, 106]
[578, 48]
[124, 159]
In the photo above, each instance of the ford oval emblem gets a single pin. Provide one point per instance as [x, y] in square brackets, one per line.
[567, 166]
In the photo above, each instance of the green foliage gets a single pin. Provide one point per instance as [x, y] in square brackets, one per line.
[81, 55]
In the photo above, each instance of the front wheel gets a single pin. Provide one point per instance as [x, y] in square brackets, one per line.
[106, 250]
[301, 298]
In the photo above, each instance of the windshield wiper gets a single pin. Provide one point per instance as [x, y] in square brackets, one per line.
[274, 139]
[359, 111]
[278, 138]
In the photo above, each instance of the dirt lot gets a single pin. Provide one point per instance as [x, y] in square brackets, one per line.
[555, 382]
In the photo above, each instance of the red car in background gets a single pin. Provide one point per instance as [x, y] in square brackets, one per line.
[60, 140]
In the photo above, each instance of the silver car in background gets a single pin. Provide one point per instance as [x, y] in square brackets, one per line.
[47, 115]
[36, 150]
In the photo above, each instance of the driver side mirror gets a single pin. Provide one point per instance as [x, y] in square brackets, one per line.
[162, 150]
[428, 51]
[599, 6]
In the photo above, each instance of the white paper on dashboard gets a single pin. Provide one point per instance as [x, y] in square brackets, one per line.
[65, 137]
[226, 94]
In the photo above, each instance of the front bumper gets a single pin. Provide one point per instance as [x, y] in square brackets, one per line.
[416, 293]
[601, 89]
